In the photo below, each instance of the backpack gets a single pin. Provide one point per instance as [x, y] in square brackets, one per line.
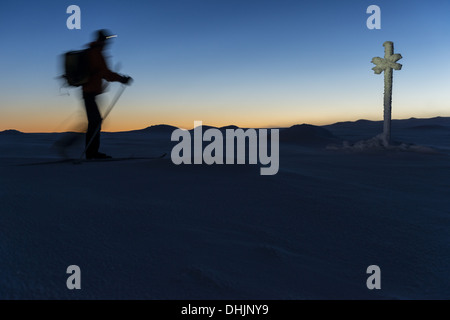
[76, 67]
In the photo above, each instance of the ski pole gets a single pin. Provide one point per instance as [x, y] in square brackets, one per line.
[108, 110]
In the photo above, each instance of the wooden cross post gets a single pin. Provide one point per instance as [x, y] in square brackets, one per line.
[387, 65]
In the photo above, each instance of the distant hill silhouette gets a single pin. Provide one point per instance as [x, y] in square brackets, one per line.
[11, 132]
[205, 127]
[414, 122]
[366, 129]
[400, 123]
[306, 132]
[160, 128]
[354, 124]
[229, 127]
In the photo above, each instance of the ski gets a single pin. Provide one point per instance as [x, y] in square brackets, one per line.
[78, 161]
[118, 159]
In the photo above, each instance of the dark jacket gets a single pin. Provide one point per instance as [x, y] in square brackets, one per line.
[99, 70]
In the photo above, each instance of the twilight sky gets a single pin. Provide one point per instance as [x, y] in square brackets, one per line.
[252, 63]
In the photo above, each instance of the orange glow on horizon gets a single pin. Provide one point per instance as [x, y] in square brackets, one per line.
[58, 119]
[113, 125]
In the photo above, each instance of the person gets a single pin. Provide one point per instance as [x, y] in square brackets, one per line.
[99, 71]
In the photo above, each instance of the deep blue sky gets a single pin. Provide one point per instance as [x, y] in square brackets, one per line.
[246, 62]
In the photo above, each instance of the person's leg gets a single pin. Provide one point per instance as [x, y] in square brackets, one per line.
[95, 121]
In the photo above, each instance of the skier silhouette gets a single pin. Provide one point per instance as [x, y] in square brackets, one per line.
[99, 71]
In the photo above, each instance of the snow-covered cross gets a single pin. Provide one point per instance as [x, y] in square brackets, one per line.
[387, 65]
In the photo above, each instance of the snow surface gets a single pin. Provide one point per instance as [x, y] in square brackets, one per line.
[148, 229]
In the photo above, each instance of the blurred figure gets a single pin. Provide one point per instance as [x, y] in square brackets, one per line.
[94, 86]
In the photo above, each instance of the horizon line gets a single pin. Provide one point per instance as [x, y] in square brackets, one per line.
[230, 125]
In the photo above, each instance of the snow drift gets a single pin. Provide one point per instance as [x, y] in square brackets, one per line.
[148, 229]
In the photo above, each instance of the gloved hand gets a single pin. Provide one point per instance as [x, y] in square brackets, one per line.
[126, 80]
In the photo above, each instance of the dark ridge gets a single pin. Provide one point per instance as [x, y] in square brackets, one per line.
[160, 128]
[11, 132]
[230, 127]
[353, 124]
[414, 122]
[205, 127]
